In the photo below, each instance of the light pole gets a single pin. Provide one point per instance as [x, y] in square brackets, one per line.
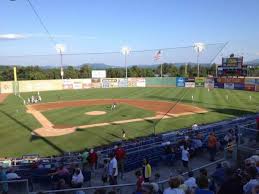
[60, 48]
[198, 47]
[125, 51]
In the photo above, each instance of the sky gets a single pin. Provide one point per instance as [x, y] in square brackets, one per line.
[108, 25]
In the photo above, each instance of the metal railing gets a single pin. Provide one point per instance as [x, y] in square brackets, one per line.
[124, 188]
[15, 186]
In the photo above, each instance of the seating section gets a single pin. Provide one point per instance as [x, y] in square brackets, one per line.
[152, 147]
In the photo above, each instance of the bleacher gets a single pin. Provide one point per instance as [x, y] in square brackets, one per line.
[151, 147]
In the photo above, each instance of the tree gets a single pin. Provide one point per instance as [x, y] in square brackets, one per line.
[71, 73]
[85, 71]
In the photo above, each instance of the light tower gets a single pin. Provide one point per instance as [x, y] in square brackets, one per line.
[198, 47]
[125, 51]
[60, 48]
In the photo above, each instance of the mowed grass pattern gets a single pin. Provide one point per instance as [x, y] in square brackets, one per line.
[16, 125]
[75, 116]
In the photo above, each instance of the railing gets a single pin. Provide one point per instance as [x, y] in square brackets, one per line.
[124, 188]
[15, 186]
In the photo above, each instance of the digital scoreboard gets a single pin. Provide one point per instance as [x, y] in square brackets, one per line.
[232, 66]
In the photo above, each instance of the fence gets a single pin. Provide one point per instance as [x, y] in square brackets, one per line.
[249, 84]
[15, 186]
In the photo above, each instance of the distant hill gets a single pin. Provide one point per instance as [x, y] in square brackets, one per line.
[253, 62]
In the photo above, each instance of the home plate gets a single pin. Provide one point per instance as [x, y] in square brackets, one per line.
[94, 113]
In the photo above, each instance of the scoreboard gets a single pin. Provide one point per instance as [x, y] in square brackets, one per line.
[232, 66]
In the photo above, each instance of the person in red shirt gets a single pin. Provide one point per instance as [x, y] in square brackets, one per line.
[212, 146]
[92, 159]
[120, 155]
[140, 181]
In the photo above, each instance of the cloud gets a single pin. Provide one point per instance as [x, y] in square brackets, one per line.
[257, 53]
[12, 36]
[65, 36]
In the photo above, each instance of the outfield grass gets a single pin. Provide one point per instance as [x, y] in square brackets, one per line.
[16, 125]
[75, 116]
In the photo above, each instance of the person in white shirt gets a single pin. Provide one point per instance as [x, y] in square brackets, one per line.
[174, 184]
[77, 178]
[113, 170]
[191, 181]
[185, 157]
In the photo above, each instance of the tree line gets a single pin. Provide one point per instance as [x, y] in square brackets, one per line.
[84, 71]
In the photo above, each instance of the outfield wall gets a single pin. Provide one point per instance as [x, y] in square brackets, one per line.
[248, 84]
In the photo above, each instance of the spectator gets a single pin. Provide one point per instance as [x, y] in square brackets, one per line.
[87, 174]
[147, 170]
[228, 136]
[253, 182]
[120, 156]
[174, 184]
[113, 170]
[182, 186]
[3, 177]
[185, 157]
[85, 155]
[212, 146]
[218, 175]
[232, 183]
[12, 175]
[92, 159]
[195, 127]
[203, 185]
[60, 173]
[140, 181]
[105, 172]
[62, 185]
[77, 179]
[191, 181]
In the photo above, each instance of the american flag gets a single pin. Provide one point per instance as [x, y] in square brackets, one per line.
[157, 55]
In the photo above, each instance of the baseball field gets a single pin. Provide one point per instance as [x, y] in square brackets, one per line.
[71, 120]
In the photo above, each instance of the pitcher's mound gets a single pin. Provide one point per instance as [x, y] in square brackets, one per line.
[94, 113]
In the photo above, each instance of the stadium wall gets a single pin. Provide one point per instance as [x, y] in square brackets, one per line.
[248, 84]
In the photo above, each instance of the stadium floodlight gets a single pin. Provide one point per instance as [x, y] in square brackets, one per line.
[199, 48]
[60, 48]
[125, 51]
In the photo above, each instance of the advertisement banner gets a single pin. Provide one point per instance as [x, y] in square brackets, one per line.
[189, 84]
[6, 87]
[249, 80]
[141, 82]
[110, 83]
[180, 82]
[239, 86]
[122, 83]
[67, 84]
[96, 83]
[190, 80]
[40, 85]
[235, 80]
[229, 86]
[87, 83]
[209, 83]
[199, 82]
[230, 80]
[132, 82]
[218, 85]
[221, 80]
[249, 87]
[257, 88]
[98, 73]
[136, 82]
[257, 81]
